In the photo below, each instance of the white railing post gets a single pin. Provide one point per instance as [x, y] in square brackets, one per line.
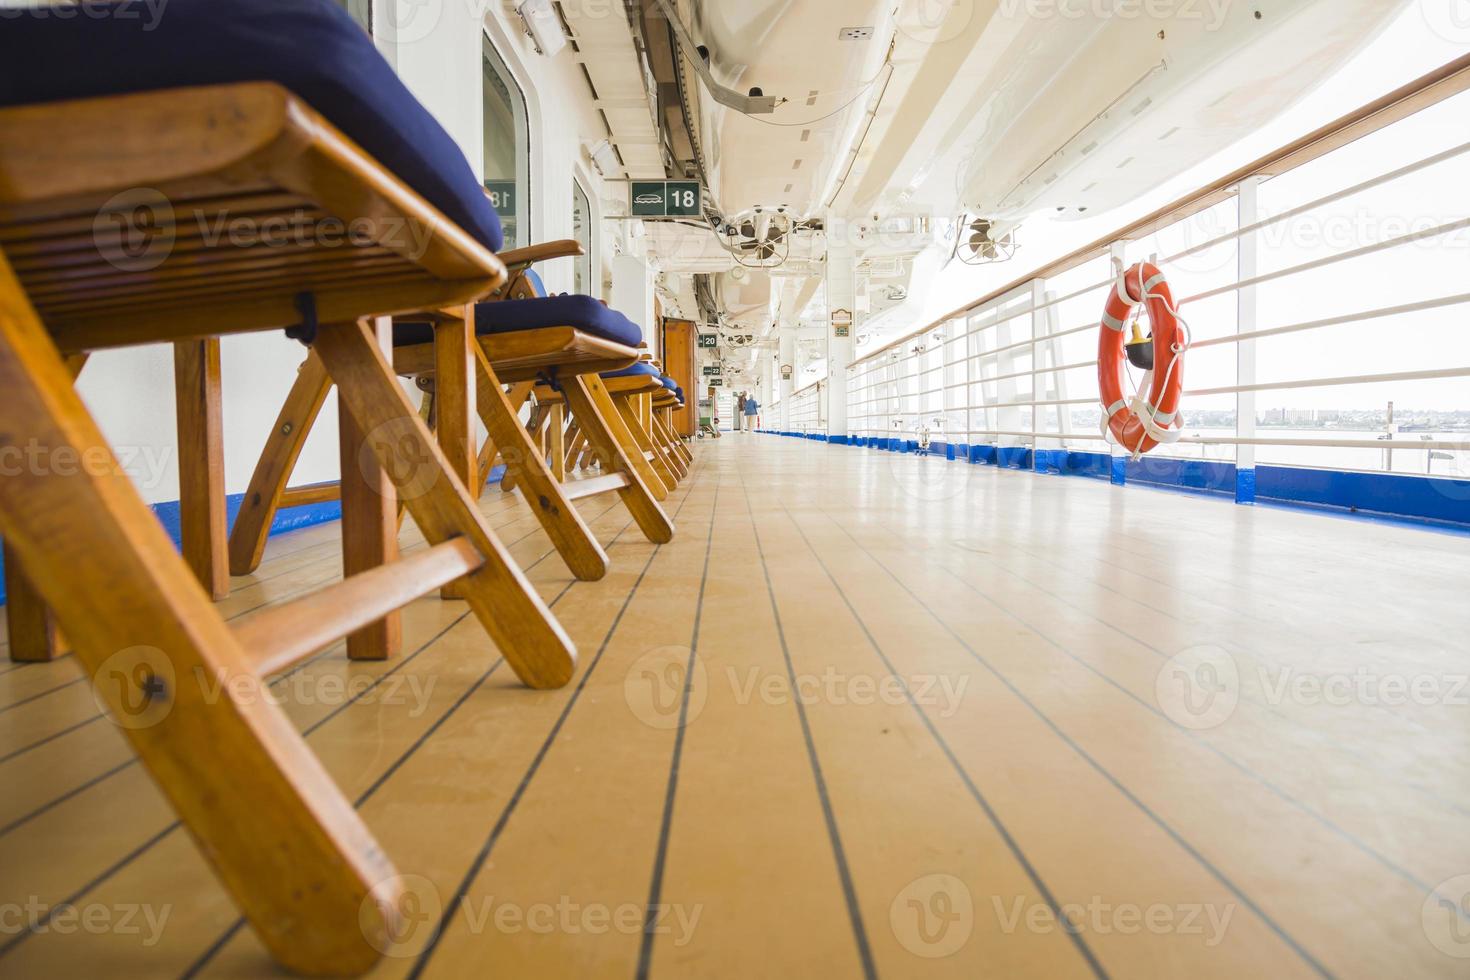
[1118, 258]
[1248, 266]
[787, 359]
[1038, 320]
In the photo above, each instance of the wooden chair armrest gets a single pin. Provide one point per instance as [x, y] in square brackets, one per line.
[545, 251]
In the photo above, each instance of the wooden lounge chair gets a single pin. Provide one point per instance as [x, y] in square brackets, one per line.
[630, 393]
[79, 271]
[563, 341]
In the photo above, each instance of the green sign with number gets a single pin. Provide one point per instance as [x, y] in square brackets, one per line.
[711, 370]
[716, 382]
[666, 199]
[502, 197]
[709, 341]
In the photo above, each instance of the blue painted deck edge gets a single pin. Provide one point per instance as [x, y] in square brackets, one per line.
[1397, 498]
[290, 519]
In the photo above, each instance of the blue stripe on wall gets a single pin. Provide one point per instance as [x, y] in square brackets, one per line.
[288, 519]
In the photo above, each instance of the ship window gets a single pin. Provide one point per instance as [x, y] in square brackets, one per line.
[507, 149]
[582, 232]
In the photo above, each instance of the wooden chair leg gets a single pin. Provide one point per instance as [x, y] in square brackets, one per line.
[454, 404]
[29, 622]
[661, 440]
[681, 451]
[655, 433]
[197, 402]
[641, 445]
[575, 442]
[532, 425]
[568, 532]
[556, 449]
[613, 420]
[34, 637]
[286, 843]
[370, 519]
[520, 393]
[666, 420]
[589, 401]
[277, 460]
[669, 468]
[499, 594]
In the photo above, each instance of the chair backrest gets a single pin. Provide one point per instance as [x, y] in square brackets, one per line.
[534, 280]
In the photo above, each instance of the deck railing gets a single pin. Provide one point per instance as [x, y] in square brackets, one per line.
[806, 412]
[1288, 284]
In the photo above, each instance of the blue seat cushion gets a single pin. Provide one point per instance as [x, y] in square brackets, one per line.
[668, 383]
[642, 369]
[582, 312]
[313, 48]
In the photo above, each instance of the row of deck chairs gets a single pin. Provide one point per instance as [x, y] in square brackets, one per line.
[123, 141]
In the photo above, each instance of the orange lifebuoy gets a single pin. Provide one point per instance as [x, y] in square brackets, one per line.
[1140, 285]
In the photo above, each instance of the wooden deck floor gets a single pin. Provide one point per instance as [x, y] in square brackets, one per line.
[930, 709]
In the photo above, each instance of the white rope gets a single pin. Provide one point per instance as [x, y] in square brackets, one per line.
[1173, 428]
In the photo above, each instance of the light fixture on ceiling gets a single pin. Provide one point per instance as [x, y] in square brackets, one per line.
[604, 157]
[544, 26]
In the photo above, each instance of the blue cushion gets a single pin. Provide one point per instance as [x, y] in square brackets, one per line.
[311, 47]
[641, 369]
[668, 382]
[534, 278]
[582, 312]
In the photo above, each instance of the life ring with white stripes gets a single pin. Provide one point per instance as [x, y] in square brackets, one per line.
[1152, 418]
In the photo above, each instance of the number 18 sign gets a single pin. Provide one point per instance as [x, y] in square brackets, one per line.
[666, 199]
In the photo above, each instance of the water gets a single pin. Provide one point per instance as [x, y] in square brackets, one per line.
[1410, 461]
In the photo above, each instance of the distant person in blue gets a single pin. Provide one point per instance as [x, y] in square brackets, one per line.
[752, 413]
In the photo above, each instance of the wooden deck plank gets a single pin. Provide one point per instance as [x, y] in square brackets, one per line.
[621, 767]
[464, 781]
[58, 732]
[316, 700]
[1032, 759]
[745, 866]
